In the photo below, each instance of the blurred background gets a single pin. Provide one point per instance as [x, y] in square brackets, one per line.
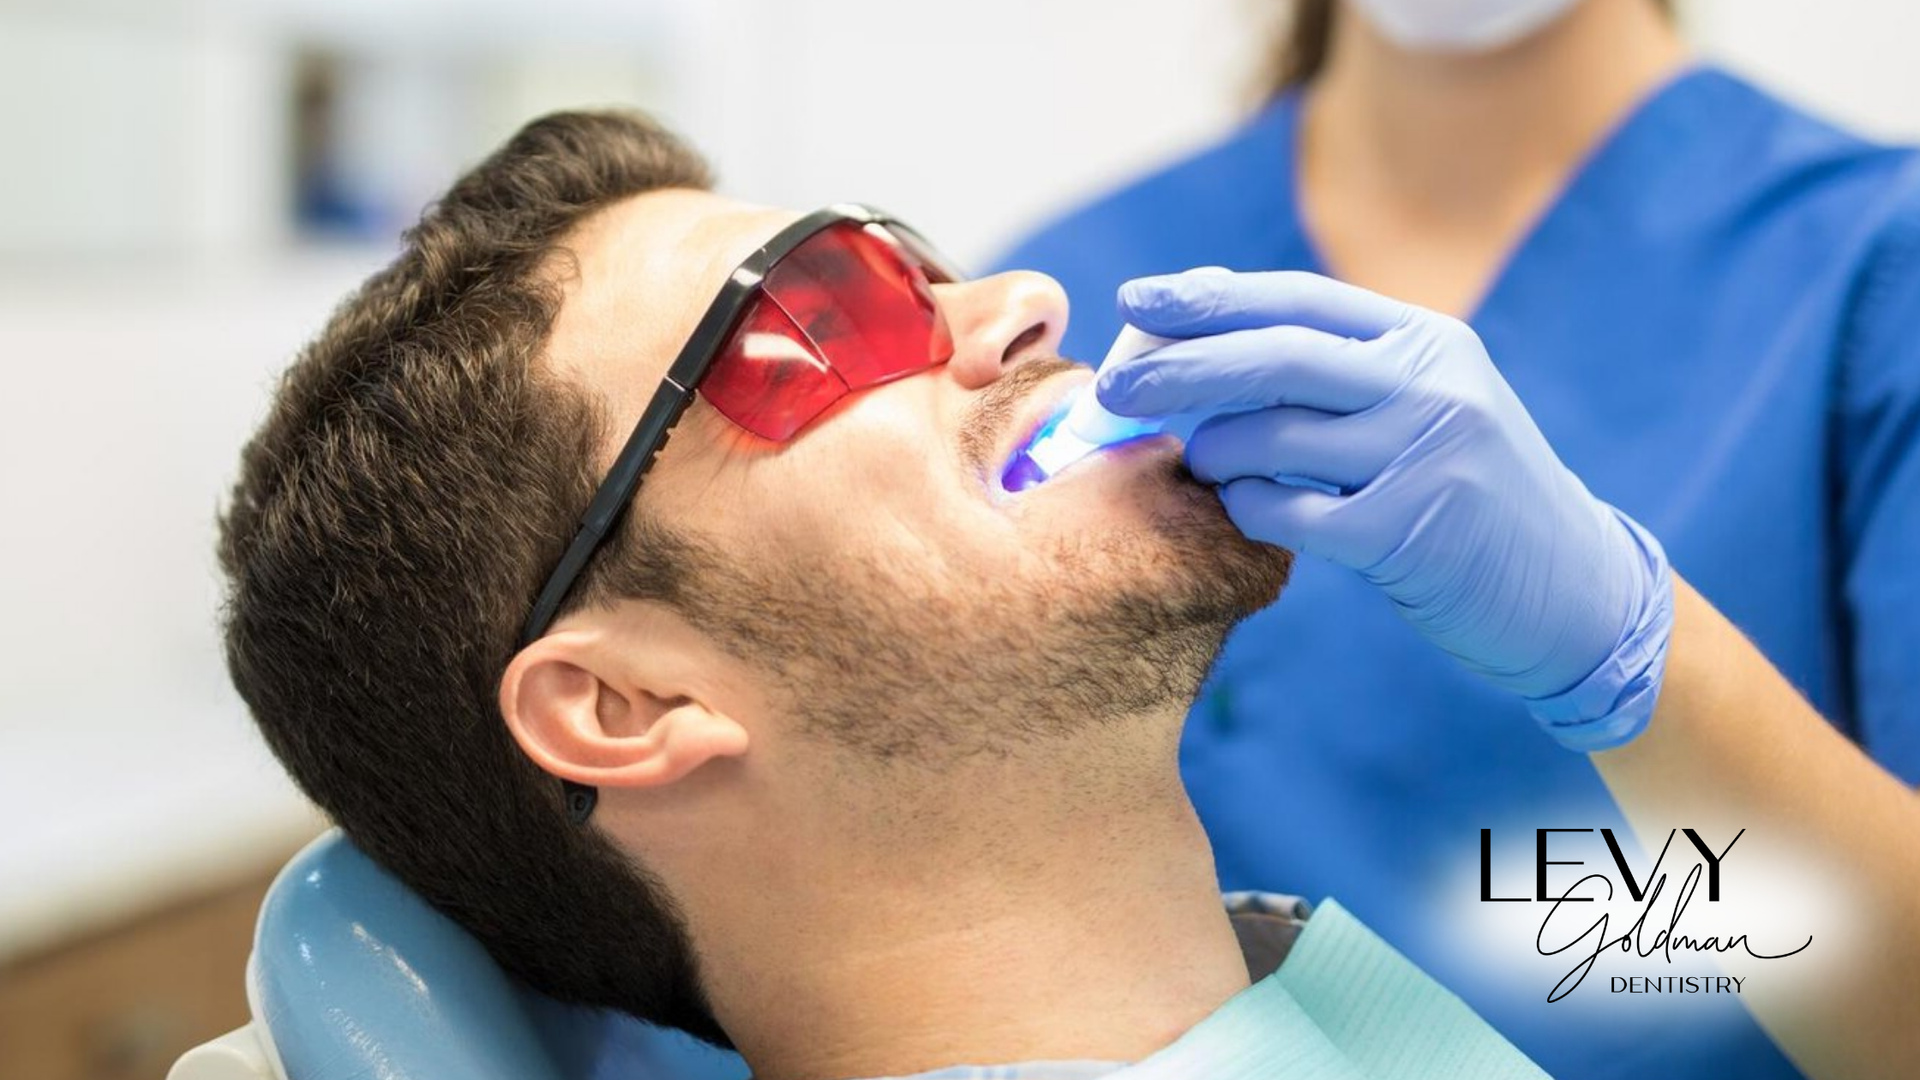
[187, 186]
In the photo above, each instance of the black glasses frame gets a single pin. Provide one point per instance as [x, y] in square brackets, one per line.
[670, 402]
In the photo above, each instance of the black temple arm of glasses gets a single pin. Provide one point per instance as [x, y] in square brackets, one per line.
[615, 493]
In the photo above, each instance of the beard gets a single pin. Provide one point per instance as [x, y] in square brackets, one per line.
[919, 665]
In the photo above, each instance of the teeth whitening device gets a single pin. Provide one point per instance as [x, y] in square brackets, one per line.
[1084, 427]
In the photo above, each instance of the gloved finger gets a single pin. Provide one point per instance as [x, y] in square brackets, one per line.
[1252, 369]
[1339, 452]
[1195, 304]
[1310, 522]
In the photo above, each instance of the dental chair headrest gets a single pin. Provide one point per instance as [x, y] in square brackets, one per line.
[354, 976]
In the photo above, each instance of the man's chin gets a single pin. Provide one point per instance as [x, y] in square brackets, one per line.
[1244, 575]
[1184, 557]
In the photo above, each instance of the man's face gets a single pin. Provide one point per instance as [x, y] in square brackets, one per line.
[896, 597]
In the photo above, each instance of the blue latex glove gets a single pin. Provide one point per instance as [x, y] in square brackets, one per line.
[1379, 435]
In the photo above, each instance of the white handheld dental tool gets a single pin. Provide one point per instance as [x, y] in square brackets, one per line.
[1086, 425]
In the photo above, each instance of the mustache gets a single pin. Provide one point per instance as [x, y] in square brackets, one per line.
[987, 418]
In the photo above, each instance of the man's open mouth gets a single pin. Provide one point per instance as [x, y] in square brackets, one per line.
[1040, 416]
[1020, 471]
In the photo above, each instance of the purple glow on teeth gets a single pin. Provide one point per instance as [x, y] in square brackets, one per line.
[1022, 473]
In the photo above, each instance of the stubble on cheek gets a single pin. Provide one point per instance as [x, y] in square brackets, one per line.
[927, 652]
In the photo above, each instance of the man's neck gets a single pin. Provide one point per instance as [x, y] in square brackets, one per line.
[1067, 926]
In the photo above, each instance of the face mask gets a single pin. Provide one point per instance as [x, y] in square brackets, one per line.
[1459, 25]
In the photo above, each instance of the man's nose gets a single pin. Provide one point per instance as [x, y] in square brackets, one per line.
[1001, 320]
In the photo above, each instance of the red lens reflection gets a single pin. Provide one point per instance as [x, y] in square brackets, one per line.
[847, 309]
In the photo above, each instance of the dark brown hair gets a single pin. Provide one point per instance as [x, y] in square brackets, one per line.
[419, 473]
[1299, 51]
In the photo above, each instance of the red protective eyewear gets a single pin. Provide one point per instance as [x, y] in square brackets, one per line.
[849, 307]
[839, 301]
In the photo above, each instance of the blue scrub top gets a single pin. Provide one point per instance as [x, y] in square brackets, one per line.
[1717, 326]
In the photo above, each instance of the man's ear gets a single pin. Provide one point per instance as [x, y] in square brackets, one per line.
[588, 711]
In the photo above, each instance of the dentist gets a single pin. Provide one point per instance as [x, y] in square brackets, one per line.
[1379, 437]
[1705, 298]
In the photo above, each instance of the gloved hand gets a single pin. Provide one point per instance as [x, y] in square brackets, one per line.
[1379, 435]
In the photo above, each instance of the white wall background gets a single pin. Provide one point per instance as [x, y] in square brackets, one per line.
[1852, 60]
[149, 291]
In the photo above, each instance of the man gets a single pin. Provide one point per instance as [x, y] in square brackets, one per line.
[870, 766]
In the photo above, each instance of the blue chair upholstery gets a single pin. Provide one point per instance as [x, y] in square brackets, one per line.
[354, 977]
